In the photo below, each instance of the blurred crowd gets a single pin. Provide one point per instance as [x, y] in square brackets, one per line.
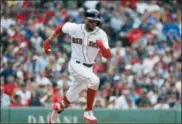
[145, 39]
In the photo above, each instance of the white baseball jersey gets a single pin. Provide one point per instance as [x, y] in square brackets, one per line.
[83, 43]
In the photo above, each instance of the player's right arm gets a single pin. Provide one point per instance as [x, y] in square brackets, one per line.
[54, 35]
[65, 28]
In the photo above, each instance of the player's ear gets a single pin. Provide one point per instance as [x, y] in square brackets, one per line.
[85, 20]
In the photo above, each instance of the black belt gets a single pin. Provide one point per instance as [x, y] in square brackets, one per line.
[85, 64]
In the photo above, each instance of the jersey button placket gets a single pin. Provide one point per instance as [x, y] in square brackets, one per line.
[85, 43]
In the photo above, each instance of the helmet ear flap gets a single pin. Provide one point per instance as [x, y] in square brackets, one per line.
[99, 23]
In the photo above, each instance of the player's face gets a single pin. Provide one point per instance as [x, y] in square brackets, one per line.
[91, 24]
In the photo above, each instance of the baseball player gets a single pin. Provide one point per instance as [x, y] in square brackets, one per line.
[86, 41]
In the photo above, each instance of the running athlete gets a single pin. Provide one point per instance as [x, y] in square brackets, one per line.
[87, 40]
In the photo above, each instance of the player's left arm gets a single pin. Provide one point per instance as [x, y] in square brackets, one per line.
[104, 46]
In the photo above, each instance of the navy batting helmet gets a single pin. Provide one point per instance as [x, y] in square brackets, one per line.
[93, 14]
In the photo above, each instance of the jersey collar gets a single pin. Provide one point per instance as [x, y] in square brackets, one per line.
[83, 28]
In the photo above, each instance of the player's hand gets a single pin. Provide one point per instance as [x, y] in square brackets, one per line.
[47, 47]
[99, 43]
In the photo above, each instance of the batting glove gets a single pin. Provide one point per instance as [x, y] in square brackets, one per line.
[47, 47]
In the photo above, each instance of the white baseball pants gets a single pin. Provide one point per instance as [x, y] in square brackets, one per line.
[82, 77]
